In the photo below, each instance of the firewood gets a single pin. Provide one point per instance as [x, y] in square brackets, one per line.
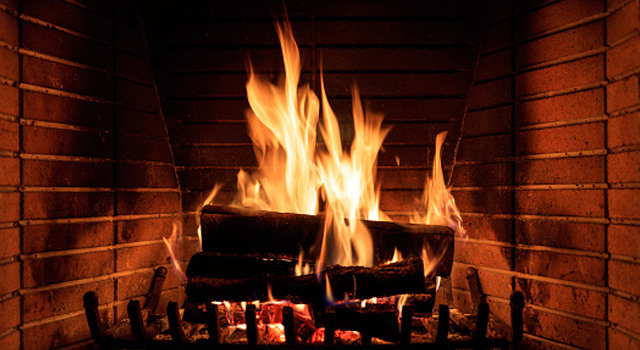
[403, 277]
[283, 235]
[214, 265]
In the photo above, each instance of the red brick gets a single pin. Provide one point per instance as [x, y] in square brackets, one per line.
[497, 35]
[50, 237]
[11, 341]
[8, 100]
[566, 43]
[41, 205]
[8, 28]
[493, 93]
[400, 200]
[9, 171]
[484, 148]
[60, 301]
[624, 312]
[483, 255]
[624, 276]
[562, 76]
[143, 256]
[394, 31]
[205, 110]
[148, 202]
[622, 22]
[9, 134]
[56, 43]
[10, 281]
[406, 155]
[411, 133]
[575, 105]
[584, 334]
[401, 178]
[8, 64]
[624, 239]
[135, 285]
[73, 174]
[555, 15]
[150, 176]
[10, 309]
[569, 235]
[483, 175]
[487, 121]
[562, 266]
[578, 301]
[561, 139]
[484, 201]
[561, 202]
[144, 229]
[60, 333]
[45, 271]
[482, 227]
[10, 238]
[66, 142]
[367, 59]
[623, 167]
[554, 171]
[398, 84]
[137, 148]
[145, 123]
[624, 57]
[210, 133]
[10, 205]
[72, 17]
[623, 130]
[622, 94]
[137, 95]
[624, 203]
[46, 107]
[494, 284]
[493, 65]
[619, 340]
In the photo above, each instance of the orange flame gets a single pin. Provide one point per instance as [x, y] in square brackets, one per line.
[171, 245]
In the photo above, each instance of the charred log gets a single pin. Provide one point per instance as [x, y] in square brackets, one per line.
[207, 264]
[403, 277]
[284, 235]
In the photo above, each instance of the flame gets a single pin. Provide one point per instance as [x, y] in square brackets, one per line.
[171, 245]
[207, 201]
[438, 205]
[328, 292]
[302, 268]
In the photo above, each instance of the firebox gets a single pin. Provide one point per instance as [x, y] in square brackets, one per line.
[119, 118]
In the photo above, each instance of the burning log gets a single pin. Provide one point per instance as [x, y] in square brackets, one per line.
[403, 277]
[276, 235]
[213, 265]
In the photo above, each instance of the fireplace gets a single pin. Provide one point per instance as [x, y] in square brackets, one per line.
[117, 119]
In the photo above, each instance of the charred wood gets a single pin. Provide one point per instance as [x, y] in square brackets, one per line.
[403, 277]
[284, 235]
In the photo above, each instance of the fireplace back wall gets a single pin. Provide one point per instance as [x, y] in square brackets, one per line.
[546, 170]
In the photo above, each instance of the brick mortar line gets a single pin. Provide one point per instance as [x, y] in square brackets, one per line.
[66, 158]
[560, 92]
[622, 76]
[94, 219]
[542, 248]
[62, 317]
[8, 10]
[8, 46]
[83, 281]
[79, 251]
[541, 187]
[625, 331]
[545, 279]
[562, 218]
[561, 123]
[548, 310]
[8, 82]
[629, 36]
[9, 331]
[59, 60]
[62, 29]
[624, 111]
[62, 93]
[95, 189]
[566, 59]
[9, 117]
[540, 156]
[550, 341]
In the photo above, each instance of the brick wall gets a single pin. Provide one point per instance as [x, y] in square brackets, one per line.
[413, 66]
[547, 170]
[87, 181]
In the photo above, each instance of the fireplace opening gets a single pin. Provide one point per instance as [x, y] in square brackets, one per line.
[118, 119]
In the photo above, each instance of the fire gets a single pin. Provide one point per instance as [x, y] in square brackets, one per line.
[438, 207]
